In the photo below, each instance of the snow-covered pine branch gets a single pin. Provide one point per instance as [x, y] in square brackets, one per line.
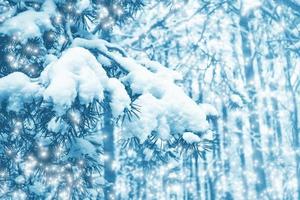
[32, 29]
[78, 74]
[63, 92]
[78, 77]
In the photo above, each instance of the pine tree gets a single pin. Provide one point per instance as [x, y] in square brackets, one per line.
[65, 91]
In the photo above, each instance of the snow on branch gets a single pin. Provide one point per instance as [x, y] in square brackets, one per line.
[17, 89]
[30, 23]
[164, 107]
[78, 74]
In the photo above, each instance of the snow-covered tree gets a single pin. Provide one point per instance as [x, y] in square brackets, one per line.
[68, 96]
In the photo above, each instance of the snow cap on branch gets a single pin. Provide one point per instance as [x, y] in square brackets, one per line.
[30, 23]
[18, 89]
[191, 138]
[78, 74]
[164, 107]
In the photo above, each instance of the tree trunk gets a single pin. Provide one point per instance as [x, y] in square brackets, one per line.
[226, 160]
[216, 154]
[197, 178]
[108, 150]
[108, 142]
[257, 157]
[239, 125]
[294, 119]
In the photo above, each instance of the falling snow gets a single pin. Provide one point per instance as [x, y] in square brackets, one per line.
[169, 99]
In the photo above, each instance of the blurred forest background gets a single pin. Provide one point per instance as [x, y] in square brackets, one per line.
[244, 58]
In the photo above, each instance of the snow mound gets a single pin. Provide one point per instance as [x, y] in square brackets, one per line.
[28, 24]
[164, 107]
[147, 121]
[174, 114]
[191, 138]
[119, 96]
[18, 89]
[78, 74]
